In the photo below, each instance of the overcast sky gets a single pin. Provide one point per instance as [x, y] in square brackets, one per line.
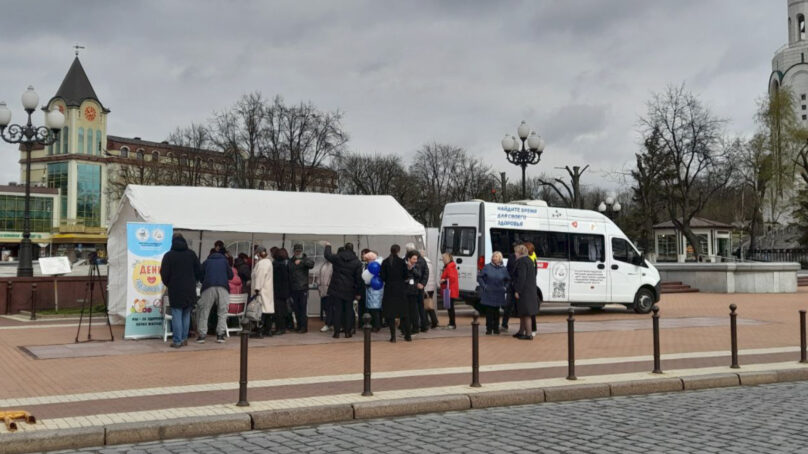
[405, 72]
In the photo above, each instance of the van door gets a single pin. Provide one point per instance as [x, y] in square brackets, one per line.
[625, 274]
[461, 242]
[552, 265]
[587, 280]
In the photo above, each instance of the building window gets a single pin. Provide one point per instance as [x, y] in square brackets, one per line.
[124, 152]
[81, 138]
[183, 161]
[170, 156]
[800, 27]
[88, 198]
[155, 156]
[140, 155]
[802, 96]
[65, 139]
[12, 213]
[57, 178]
[805, 117]
[666, 247]
[97, 142]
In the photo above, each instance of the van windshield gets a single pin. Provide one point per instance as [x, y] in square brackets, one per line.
[459, 240]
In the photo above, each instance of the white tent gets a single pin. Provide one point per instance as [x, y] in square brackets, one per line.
[241, 218]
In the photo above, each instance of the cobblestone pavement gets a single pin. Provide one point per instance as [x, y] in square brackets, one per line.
[763, 419]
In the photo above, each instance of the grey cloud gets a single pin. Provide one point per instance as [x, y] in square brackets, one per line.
[404, 73]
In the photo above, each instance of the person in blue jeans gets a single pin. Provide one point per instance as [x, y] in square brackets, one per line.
[180, 271]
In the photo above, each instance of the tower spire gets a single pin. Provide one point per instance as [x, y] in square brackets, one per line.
[77, 47]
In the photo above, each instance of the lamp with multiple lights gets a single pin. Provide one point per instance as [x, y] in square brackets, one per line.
[524, 150]
[610, 207]
[27, 136]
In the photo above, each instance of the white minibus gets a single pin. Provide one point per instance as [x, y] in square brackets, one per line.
[583, 258]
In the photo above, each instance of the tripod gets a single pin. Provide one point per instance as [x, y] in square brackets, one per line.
[94, 275]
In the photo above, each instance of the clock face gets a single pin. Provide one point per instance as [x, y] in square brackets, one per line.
[89, 113]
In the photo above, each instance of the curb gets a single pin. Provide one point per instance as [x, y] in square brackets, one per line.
[410, 406]
[52, 440]
[641, 387]
[149, 431]
[139, 432]
[306, 416]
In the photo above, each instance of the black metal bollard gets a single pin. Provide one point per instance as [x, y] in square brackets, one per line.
[733, 328]
[571, 345]
[475, 350]
[33, 301]
[657, 359]
[366, 327]
[242, 383]
[803, 341]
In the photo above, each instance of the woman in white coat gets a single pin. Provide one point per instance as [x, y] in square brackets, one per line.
[262, 286]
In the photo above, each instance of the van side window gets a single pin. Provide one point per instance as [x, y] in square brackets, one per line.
[459, 240]
[551, 245]
[623, 251]
[587, 248]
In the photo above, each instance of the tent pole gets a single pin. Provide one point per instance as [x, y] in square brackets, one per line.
[252, 247]
[199, 254]
[283, 241]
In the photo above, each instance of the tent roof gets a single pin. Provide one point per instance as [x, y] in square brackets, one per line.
[276, 212]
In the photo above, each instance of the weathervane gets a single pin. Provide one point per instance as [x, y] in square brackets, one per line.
[77, 48]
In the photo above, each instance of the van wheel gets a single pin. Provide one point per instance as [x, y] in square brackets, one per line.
[643, 301]
[597, 308]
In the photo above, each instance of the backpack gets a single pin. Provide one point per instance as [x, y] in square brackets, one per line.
[254, 309]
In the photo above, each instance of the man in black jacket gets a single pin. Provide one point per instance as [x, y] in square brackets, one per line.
[299, 267]
[180, 271]
[507, 310]
[346, 283]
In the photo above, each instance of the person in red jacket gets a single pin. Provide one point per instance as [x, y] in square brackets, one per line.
[449, 277]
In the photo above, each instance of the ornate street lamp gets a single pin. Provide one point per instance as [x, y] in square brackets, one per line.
[28, 136]
[529, 153]
[610, 207]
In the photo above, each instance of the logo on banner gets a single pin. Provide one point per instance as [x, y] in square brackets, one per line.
[146, 277]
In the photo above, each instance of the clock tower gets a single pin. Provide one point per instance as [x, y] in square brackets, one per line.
[76, 164]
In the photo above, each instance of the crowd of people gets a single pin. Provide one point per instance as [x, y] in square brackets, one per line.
[345, 283]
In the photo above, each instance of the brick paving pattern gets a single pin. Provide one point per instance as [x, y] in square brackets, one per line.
[763, 419]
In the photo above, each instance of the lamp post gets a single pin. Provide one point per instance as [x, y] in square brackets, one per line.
[610, 207]
[529, 153]
[28, 135]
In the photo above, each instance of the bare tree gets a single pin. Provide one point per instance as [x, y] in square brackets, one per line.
[571, 195]
[373, 175]
[689, 140]
[445, 173]
[755, 174]
[240, 134]
[651, 169]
